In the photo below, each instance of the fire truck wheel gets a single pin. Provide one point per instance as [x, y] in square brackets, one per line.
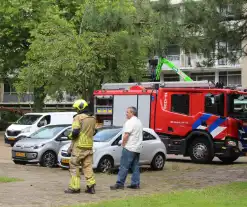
[158, 161]
[228, 160]
[200, 151]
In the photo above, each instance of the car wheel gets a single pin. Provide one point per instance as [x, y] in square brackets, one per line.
[105, 164]
[200, 151]
[49, 159]
[158, 161]
[228, 160]
[17, 162]
[12, 145]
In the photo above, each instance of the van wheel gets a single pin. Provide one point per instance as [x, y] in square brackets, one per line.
[200, 151]
[158, 161]
[49, 159]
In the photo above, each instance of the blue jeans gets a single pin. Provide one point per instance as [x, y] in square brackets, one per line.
[129, 160]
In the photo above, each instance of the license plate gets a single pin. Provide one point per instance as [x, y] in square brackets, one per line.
[11, 138]
[20, 154]
[65, 161]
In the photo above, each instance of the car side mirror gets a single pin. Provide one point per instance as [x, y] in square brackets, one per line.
[120, 142]
[62, 139]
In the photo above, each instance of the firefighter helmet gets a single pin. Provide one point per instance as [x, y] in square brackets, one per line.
[80, 104]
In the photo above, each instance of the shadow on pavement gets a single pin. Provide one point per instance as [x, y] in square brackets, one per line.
[218, 162]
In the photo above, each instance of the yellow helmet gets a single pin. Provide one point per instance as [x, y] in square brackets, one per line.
[80, 104]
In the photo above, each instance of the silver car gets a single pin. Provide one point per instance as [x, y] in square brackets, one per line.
[42, 146]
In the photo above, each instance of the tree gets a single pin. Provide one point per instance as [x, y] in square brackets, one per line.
[101, 44]
[166, 21]
[215, 24]
[17, 19]
[13, 36]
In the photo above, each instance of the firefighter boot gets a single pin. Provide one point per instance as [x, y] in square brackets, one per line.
[90, 190]
[71, 191]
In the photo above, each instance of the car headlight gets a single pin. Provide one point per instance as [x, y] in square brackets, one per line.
[26, 130]
[38, 146]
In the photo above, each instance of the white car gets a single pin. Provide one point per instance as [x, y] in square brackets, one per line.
[107, 150]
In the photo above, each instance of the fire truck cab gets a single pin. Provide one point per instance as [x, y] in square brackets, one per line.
[192, 118]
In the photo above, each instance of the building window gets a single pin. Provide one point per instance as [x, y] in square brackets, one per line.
[223, 79]
[208, 78]
[180, 103]
[234, 80]
[8, 88]
[169, 78]
[173, 50]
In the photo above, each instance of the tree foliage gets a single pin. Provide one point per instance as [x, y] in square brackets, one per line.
[215, 24]
[17, 18]
[166, 26]
[101, 44]
[74, 46]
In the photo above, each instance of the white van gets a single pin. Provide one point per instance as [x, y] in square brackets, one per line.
[31, 122]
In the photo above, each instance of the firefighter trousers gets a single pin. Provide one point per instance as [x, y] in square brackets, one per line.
[84, 158]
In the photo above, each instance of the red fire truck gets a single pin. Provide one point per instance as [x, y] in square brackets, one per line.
[192, 118]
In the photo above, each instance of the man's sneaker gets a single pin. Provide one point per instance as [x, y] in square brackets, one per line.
[116, 187]
[133, 186]
[71, 191]
[90, 190]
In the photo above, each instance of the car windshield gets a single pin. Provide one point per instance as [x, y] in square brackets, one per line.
[237, 106]
[28, 119]
[105, 134]
[47, 132]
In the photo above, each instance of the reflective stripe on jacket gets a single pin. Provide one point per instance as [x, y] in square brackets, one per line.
[86, 124]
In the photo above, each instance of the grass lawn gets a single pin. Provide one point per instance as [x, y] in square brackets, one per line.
[8, 180]
[232, 195]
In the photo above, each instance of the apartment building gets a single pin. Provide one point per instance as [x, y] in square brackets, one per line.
[222, 70]
[9, 99]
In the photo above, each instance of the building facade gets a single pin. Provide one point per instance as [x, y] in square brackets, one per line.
[222, 70]
[219, 70]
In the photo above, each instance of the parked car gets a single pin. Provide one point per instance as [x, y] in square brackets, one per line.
[42, 146]
[31, 122]
[107, 150]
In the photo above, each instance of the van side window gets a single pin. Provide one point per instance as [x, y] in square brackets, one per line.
[180, 103]
[45, 121]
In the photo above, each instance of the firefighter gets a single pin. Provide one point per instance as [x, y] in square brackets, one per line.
[83, 129]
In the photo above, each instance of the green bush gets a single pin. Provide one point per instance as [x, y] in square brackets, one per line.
[7, 118]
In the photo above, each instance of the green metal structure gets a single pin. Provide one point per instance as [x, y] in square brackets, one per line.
[173, 67]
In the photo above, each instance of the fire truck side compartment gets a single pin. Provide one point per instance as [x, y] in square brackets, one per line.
[122, 102]
[144, 109]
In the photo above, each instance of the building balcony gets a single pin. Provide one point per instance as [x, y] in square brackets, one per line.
[14, 98]
[186, 62]
[27, 98]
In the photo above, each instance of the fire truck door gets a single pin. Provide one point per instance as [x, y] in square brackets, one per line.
[120, 104]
